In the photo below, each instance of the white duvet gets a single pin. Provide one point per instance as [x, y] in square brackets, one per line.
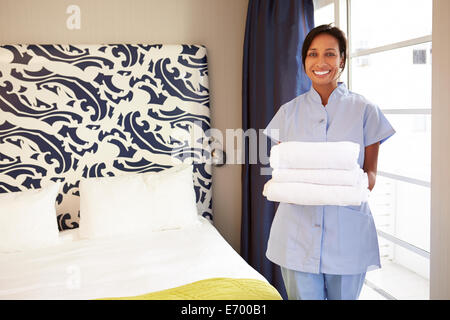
[121, 266]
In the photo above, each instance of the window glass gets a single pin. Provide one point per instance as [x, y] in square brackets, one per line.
[376, 23]
[324, 14]
[395, 79]
[408, 152]
[402, 209]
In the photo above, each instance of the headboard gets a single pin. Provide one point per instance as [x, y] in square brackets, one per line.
[72, 111]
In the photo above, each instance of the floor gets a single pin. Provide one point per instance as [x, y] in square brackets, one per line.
[393, 281]
[368, 293]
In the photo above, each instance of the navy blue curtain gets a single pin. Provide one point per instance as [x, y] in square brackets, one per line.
[272, 75]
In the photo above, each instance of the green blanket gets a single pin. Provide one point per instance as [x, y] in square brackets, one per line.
[214, 289]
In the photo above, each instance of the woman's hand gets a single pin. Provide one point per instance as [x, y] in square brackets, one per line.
[370, 163]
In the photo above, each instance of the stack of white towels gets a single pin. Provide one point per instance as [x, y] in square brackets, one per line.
[317, 173]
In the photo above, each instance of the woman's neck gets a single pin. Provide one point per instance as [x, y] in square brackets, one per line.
[325, 91]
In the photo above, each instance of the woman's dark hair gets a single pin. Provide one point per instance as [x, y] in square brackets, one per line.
[332, 31]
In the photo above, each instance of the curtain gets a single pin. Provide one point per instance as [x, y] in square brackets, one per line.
[272, 75]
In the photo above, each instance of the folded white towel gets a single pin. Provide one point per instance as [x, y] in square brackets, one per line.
[316, 194]
[334, 177]
[314, 155]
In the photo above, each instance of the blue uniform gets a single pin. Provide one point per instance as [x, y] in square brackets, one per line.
[327, 239]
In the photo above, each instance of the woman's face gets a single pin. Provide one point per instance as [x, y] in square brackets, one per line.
[323, 61]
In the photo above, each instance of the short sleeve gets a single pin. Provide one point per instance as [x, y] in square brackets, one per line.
[276, 127]
[376, 126]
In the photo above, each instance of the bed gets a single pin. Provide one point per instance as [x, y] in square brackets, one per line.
[129, 266]
[106, 177]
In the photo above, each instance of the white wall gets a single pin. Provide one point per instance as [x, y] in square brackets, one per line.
[217, 24]
[440, 154]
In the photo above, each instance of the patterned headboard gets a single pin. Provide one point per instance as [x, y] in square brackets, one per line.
[72, 111]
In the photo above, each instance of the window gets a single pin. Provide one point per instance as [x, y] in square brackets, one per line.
[323, 12]
[390, 56]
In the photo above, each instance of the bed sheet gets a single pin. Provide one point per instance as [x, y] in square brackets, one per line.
[121, 266]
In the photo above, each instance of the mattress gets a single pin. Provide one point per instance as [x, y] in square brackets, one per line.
[121, 266]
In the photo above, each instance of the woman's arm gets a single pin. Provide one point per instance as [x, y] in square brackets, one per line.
[370, 163]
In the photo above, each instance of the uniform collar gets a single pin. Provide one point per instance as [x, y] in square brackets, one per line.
[339, 91]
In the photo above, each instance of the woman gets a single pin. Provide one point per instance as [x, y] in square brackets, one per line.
[325, 251]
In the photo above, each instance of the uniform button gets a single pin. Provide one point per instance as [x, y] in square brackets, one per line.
[322, 120]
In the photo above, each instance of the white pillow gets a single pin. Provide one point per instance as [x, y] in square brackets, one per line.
[112, 205]
[28, 219]
[137, 202]
[172, 195]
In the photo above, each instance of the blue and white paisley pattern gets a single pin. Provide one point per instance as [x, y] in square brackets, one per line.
[72, 111]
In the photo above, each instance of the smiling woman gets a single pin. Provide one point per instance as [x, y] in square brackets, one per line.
[324, 251]
[324, 54]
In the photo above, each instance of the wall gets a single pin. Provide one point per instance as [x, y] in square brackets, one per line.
[217, 24]
[440, 154]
